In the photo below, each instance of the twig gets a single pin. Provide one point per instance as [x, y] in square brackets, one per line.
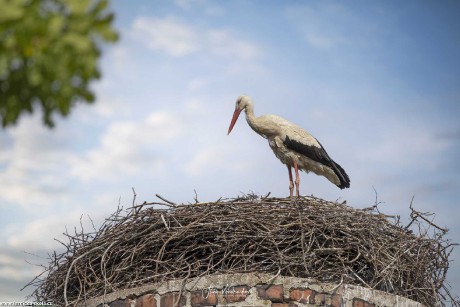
[165, 200]
[70, 268]
[134, 197]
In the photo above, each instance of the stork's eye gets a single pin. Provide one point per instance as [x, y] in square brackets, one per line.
[237, 103]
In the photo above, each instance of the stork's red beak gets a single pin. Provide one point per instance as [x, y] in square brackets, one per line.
[234, 119]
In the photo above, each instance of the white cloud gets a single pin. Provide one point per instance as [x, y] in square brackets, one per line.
[197, 84]
[404, 146]
[37, 234]
[119, 60]
[223, 43]
[177, 38]
[9, 260]
[23, 190]
[204, 160]
[228, 157]
[32, 164]
[126, 146]
[183, 4]
[168, 35]
[14, 268]
[105, 107]
[208, 8]
[320, 41]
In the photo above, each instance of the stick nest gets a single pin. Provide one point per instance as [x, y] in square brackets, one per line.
[304, 237]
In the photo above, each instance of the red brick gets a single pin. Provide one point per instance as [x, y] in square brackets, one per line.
[147, 300]
[357, 302]
[274, 293]
[168, 299]
[235, 294]
[203, 298]
[302, 295]
[336, 300]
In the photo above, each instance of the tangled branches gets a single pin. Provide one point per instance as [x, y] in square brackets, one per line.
[304, 237]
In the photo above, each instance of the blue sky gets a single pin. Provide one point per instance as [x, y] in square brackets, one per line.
[378, 83]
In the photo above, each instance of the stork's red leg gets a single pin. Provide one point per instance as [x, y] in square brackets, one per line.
[297, 178]
[291, 182]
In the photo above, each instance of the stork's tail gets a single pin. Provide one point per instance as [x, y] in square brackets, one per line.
[342, 175]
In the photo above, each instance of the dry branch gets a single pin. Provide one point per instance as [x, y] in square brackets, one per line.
[304, 237]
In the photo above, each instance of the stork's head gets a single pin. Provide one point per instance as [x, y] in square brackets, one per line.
[241, 103]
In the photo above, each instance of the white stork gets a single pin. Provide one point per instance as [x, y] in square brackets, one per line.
[291, 144]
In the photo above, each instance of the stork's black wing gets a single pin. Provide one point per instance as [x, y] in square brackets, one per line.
[320, 155]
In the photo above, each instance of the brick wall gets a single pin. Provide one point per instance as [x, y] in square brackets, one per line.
[249, 289]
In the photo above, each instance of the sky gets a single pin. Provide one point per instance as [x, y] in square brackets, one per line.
[376, 82]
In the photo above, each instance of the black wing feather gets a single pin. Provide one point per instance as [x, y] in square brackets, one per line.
[320, 155]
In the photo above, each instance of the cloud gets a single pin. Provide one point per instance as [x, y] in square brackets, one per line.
[126, 146]
[168, 35]
[106, 107]
[38, 233]
[223, 43]
[208, 8]
[197, 84]
[203, 161]
[320, 41]
[32, 161]
[14, 268]
[177, 38]
[405, 146]
[184, 4]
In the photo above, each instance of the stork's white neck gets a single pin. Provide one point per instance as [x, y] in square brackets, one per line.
[250, 117]
[256, 123]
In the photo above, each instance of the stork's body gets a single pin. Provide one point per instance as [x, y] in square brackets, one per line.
[291, 144]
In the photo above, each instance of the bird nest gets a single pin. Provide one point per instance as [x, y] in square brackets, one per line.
[302, 237]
